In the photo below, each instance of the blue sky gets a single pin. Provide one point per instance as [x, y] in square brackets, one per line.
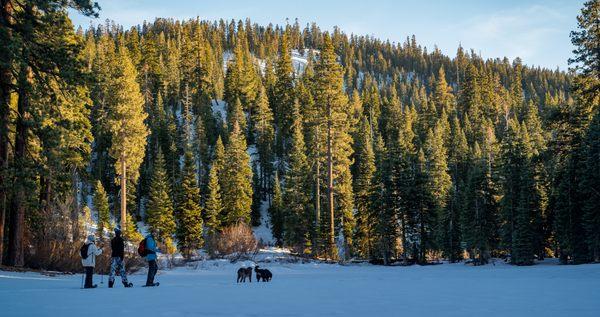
[535, 30]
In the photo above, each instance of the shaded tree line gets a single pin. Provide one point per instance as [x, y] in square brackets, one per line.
[366, 149]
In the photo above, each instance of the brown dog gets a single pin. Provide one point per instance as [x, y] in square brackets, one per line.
[243, 273]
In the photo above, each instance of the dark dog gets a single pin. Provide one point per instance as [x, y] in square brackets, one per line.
[263, 274]
[243, 273]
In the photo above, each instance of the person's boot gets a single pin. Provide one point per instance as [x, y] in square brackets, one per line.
[127, 284]
[110, 284]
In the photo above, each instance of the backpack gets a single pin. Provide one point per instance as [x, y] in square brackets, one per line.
[84, 250]
[142, 251]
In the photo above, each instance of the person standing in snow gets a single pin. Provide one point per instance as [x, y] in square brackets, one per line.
[118, 255]
[151, 258]
[89, 254]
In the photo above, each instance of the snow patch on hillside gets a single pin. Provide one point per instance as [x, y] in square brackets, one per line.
[263, 232]
[227, 56]
[218, 108]
[299, 60]
[253, 153]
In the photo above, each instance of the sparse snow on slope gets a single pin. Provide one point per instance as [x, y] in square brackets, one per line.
[209, 288]
[218, 108]
[252, 152]
[299, 60]
[263, 232]
[227, 56]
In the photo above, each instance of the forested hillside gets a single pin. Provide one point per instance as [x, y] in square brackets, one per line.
[356, 146]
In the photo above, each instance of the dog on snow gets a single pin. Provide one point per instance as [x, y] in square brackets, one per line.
[263, 274]
[242, 273]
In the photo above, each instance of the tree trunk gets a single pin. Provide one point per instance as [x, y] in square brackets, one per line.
[403, 237]
[43, 199]
[17, 217]
[330, 184]
[123, 194]
[317, 195]
[422, 244]
[76, 210]
[6, 80]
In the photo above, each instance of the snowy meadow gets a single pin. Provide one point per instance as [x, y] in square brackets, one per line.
[209, 288]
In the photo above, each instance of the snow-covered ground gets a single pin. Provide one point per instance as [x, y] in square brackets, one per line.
[314, 289]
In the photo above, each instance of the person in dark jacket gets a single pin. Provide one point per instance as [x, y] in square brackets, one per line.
[118, 254]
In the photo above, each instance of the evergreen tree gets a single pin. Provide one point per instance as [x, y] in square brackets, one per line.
[39, 60]
[519, 194]
[437, 166]
[159, 208]
[457, 164]
[296, 202]
[330, 93]
[528, 209]
[401, 154]
[264, 135]
[218, 162]
[200, 146]
[372, 104]
[241, 80]
[100, 202]
[386, 217]
[276, 211]
[516, 93]
[130, 231]
[572, 121]
[470, 104]
[235, 114]
[442, 93]
[591, 182]
[256, 197]
[237, 179]
[587, 88]
[126, 124]
[213, 206]
[479, 213]
[439, 181]
[189, 211]
[364, 172]
[422, 205]
[539, 171]
[585, 40]
[283, 95]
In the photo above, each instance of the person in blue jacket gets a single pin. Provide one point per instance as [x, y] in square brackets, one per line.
[151, 258]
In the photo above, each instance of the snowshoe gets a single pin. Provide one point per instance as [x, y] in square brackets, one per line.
[152, 285]
[93, 286]
[128, 284]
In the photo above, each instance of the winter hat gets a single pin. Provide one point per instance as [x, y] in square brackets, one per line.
[91, 238]
[118, 231]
